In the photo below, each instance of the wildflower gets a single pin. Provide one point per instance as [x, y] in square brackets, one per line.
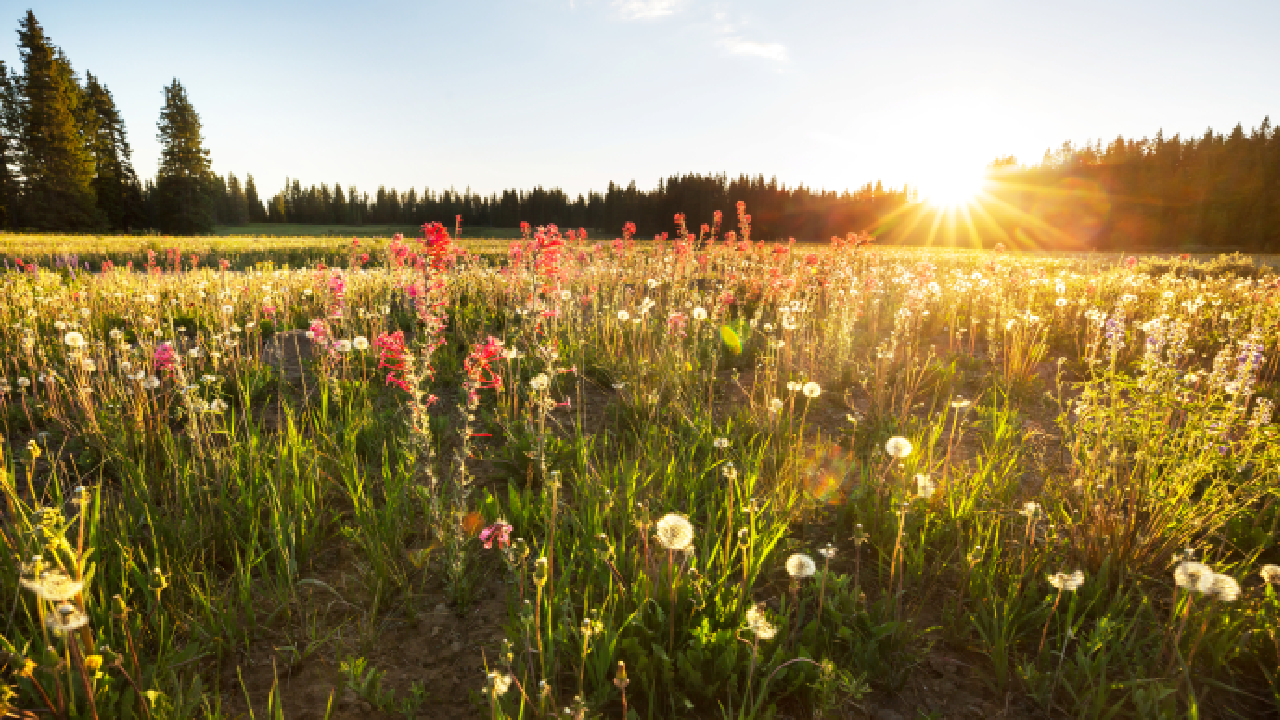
[1270, 573]
[775, 405]
[898, 447]
[53, 586]
[759, 625]
[1225, 588]
[623, 315]
[1194, 576]
[1029, 509]
[720, 443]
[151, 383]
[539, 382]
[1067, 582]
[960, 403]
[800, 566]
[499, 683]
[827, 552]
[227, 309]
[811, 390]
[74, 340]
[66, 619]
[499, 531]
[793, 386]
[699, 313]
[925, 487]
[360, 343]
[674, 532]
[342, 346]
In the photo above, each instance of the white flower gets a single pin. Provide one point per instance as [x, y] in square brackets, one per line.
[827, 552]
[775, 405]
[925, 487]
[566, 295]
[208, 378]
[66, 619]
[360, 343]
[623, 315]
[499, 682]
[699, 313]
[342, 346]
[674, 532]
[720, 443]
[227, 309]
[1067, 582]
[53, 586]
[811, 390]
[1226, 588]
[1270, 573]
[1029, 509]
[800, 566]
[1194, 577]
[539, 382]
[74, 340]
[898, 447]
[759, 625]
[151, 383]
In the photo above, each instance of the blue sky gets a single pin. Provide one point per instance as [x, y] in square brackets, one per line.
[573, 93]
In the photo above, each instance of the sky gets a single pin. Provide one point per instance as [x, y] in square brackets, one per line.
[493, 94]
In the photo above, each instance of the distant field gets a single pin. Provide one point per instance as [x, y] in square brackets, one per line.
[348, 231]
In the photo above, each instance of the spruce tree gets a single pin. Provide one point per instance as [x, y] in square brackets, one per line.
[56, 163]
[119, 195]
[257, 213]
[182, 202]
[10, 131]
[238, 208]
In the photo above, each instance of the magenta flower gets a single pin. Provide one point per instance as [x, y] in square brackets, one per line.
[499, 531]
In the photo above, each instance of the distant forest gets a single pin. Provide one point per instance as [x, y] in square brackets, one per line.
[66, 166]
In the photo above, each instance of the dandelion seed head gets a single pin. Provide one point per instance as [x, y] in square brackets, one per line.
[758, 623]
[800, 566]
[1270, 573]
[898, 447]
[1067, 582]
[1194, 576]
[1225, 588]
[674, 532]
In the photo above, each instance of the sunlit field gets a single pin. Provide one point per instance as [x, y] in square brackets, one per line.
[556, 476]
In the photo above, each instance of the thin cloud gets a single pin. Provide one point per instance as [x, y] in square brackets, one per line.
[740, 46]
[645, 9]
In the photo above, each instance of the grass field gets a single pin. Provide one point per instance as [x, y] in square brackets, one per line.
[291, 230]
[638, 482]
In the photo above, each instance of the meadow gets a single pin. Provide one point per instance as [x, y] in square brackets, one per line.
[701, 478]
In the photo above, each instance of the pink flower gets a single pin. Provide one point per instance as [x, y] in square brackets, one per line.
[499, 531]
[164, 356]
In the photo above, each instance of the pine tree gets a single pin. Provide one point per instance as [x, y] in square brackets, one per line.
[182, 202]
[10, 132]
[56, 163]
[115, 184]
[238, 210]
[256, 213]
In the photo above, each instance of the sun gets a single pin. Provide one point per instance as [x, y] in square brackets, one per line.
[952, 187]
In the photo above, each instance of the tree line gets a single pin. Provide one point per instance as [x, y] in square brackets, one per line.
[777, 210]
[66, 165]
[1213, 191]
